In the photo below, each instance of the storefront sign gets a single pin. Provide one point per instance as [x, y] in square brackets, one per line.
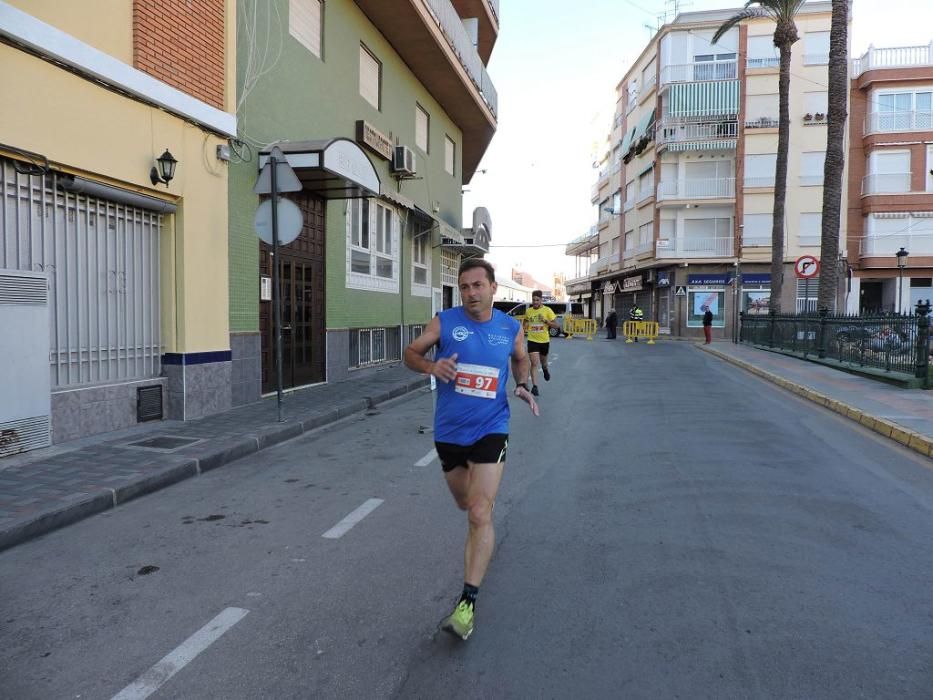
[368, 135]
[708, 279]
[632, 284]
[664, 278]
[764, 278]
[609, 288]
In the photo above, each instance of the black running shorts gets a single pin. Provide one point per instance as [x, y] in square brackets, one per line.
[538, 347]
[489, 449]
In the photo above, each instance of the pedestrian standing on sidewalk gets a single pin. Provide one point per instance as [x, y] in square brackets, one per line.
[612, 323]
[540, 319]
[478, 347]
[707, 325]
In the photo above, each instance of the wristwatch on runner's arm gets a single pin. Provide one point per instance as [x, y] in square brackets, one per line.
[521, 385]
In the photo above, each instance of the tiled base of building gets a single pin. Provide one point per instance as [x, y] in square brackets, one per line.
[197, 390]
[245, 375]
[81, 412]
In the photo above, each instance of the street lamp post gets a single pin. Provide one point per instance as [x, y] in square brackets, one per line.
[901, 256]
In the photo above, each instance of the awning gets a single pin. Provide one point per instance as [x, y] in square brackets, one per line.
[717, 145]
[330, 168]
[706, 99]
[399, 199]
[642, 129]
[474, 241]
[627, 141]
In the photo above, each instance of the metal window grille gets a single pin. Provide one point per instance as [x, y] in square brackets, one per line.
[374, 346]
[102, 260]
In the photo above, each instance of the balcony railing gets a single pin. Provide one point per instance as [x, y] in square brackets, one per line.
[900, 57]
[583, 243]
[815, 59]
[651, 83]
[451, 25]
[698, 72]
[882, 122]
[678, 132]
[772, 62]
[889, 183]
[887, 245]
[494, 4]
[762, 123]
[644, 194]
[601, 264]
[694, 248]
[697, 188]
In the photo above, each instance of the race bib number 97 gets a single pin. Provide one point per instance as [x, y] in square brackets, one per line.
[477, 380]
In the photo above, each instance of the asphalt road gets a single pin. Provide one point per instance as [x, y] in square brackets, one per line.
[669, 527]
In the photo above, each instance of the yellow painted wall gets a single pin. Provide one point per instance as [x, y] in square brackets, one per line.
[84, 20]
[86, 129]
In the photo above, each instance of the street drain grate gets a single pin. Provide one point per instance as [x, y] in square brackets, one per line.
[164, 443]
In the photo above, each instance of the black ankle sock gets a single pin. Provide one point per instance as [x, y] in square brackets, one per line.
[469, 594]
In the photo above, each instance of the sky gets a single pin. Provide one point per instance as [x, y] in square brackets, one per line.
[555, 67]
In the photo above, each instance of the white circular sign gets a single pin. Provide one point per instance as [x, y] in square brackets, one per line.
[290, 221]
[806, 266]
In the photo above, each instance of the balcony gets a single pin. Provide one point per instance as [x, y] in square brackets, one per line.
[721, 188]
[900, 57]
[697, 136]
[430, 37]
[759, 181]
[694, 248]
[582, 244]
[699, 72]
[888, 122]
[602, 264]
[770, 62]
[887, 183]
[487, 13]
[886, 245]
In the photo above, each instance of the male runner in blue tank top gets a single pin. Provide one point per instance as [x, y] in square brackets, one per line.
[471, 424]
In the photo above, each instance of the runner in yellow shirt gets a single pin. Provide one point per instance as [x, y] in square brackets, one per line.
[539, 318]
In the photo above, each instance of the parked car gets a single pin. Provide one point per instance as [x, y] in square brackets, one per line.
[874, 336]
[517, 310]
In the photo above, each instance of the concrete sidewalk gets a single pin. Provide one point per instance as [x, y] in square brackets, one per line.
[47, 489]
[904, 415]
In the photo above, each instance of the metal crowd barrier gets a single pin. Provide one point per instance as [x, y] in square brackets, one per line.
[640, 329]
[580, 326]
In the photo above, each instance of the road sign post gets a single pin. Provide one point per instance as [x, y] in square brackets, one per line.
[268, 183]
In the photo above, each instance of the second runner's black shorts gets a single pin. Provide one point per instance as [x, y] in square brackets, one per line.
[489, 449]
[538, 347]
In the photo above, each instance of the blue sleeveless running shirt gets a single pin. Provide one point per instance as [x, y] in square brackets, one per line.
[476, 403]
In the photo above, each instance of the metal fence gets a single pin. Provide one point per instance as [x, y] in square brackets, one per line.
[893, 343]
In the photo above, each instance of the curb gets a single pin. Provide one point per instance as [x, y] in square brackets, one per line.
[908, 438]
[193, 465]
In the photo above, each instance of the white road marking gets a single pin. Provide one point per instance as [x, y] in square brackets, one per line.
[341, 528]
[155, 677]
[427, 459]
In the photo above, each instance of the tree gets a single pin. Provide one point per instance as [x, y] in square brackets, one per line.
[835, 155]
[782, 13]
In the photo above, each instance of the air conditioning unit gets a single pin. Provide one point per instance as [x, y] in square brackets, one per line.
[403, 161]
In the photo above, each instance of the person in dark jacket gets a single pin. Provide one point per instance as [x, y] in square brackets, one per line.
[612, 323]
[707, 325]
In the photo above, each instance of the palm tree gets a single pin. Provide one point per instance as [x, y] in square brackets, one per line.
[835, 154]
[782, 13]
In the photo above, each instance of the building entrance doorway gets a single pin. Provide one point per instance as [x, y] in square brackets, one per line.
[302, 294]
[870, 298]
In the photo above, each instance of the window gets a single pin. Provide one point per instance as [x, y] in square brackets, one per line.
[761, 111]
[762, 53]
[811, 229]
[816, 48]
[811, 168]
[372, 250]
[759, 169]
[903, 111]
[370, 77]
[714, 66]
[617, 203]
[421, 265]
[697, 299]
[888, 172]
[757, 230]
[422, 127]
[306, 24]
[645, 236]
[646, 184]
[629, 195]
[807, 294]
[929, 168]
[649, 75]
[615, 246]
[629, 240]
[816, 102]
[450, 150]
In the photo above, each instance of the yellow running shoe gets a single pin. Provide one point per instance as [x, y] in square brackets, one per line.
[460, 622]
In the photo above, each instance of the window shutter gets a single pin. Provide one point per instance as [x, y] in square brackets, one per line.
[305, 25]
[369, 77]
